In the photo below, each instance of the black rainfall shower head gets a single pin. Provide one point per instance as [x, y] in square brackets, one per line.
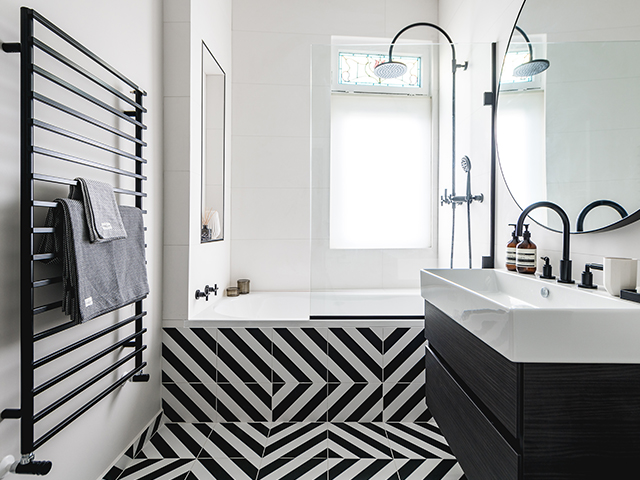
[466, 164]
[390, 69]
[531, 68]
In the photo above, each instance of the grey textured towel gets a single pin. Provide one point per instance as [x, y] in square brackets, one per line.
[100, 207]
[97, 277]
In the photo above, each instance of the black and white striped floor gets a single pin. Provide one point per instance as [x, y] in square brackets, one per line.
[295, 450]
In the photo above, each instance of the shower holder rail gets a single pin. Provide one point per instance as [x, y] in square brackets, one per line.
[29, 335]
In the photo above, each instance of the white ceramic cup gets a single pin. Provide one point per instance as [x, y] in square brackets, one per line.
[619, 273]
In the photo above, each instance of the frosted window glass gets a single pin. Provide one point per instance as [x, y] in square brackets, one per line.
[380, 172]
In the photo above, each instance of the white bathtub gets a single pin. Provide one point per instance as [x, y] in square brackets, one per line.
[343, 308]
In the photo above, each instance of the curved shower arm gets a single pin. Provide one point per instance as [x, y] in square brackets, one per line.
[607, 203]
[527, 40]
[426, 24]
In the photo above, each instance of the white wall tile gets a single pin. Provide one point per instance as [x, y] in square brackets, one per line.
[270, 213]
[176, 59]
[272, 265]
[270, 110]
[176, 144]
[274, 162]
[176, 203]
[273, 58]
[175, 286]
[400, 14]
[176, 10]
[344, 269]
[353, 17]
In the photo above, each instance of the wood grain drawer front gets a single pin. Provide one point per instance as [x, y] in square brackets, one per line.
[489, 375]
[482, 452]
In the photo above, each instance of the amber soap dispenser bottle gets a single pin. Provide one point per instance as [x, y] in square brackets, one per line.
[526, 253]
[511, 250]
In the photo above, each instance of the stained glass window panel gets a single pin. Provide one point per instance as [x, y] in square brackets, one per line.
[357, 69]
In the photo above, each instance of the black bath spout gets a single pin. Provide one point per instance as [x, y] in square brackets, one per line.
[565, 263]
[607, 203]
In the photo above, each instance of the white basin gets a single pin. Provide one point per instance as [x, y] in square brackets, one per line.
[509, 313]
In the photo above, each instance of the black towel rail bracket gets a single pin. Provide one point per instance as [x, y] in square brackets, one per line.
[118, 88]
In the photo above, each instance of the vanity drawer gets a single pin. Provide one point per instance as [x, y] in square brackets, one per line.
[491, 377]
[482, 452]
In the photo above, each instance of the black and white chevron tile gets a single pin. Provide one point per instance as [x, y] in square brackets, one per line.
[294, 374]
[295, 450]
[134, 449]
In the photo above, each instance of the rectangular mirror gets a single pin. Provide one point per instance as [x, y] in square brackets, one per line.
[213, 148]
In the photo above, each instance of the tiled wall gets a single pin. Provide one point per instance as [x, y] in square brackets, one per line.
[293, 374]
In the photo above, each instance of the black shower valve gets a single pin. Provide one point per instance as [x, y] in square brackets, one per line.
[207, 291]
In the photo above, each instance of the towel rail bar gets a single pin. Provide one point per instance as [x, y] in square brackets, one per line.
[87, 96]
[53, 330]
[68, 181]
[46, 281]
[57, 80]
[81, 388]
[85, 140]
[47, 307]
[71, 64]
[80, 343]
[73, 42]
[76, 368]
[58, 428]
[87, 163]
[86, 118]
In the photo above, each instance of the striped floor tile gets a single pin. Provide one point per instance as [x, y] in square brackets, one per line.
[223, 469]
[428, 469]
[296, 440]
[237, 440]
[358, 441]
[368, 469]
[417, 441]
[158, 469]
[177, 440]
[294, 469]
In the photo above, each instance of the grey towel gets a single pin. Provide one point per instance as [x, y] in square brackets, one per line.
[100, 207]
[97, 277]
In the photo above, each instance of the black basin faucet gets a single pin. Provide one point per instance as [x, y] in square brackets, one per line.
[565, 263]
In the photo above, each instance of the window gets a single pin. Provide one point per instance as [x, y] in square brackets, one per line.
[357, 69]
[380, 171]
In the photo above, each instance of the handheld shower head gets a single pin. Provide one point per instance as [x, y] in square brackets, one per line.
[466, 164]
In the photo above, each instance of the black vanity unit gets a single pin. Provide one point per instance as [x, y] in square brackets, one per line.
[507, 420]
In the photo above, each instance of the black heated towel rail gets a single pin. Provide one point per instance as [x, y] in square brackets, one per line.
[83, 94]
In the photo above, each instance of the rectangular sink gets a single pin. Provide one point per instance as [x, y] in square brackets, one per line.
[527, 319]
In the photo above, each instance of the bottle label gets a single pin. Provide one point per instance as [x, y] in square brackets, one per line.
[511, 255]
[526, 257]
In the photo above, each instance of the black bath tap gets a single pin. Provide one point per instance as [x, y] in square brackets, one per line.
[565, 263]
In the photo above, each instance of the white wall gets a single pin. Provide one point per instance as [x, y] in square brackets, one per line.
[190, 265]
[480, 21]
[271, 124]
[128, 35]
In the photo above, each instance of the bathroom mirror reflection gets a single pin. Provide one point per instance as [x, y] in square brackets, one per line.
[213, 149]
[571, 134]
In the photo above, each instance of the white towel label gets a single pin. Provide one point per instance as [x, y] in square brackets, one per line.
[106, 226]
[88, 301]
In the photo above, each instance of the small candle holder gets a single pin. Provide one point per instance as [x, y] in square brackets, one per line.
[243, 286]
[232, 291]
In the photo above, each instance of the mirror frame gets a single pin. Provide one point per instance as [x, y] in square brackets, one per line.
[623, 222]
[203, 133]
